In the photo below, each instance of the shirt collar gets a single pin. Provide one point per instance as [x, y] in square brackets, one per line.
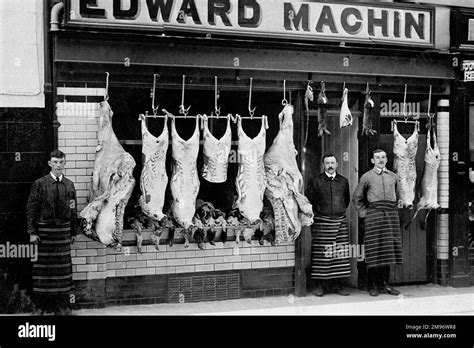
[379, 171]
[54, 177]
[329, 175]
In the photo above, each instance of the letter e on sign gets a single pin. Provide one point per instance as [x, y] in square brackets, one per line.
[17, 157]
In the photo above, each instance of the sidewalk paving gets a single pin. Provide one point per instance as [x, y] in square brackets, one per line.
[415, 300]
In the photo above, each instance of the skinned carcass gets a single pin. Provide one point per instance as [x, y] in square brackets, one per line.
[251, 180]
[215, 153]
[285, 183]
[153, 179]
[184, 179]
[429, 183]
[404, 165]
[112, 185]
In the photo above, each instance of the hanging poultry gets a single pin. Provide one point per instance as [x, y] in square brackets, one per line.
[322, 111]
[367, 118]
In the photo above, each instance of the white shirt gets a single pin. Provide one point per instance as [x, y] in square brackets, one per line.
[379, 171]
[331, 176]
[54, 177]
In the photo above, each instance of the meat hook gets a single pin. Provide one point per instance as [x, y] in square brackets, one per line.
[106, 96]
[182, 109]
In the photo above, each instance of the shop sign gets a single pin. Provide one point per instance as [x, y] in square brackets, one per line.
[296, 19]
[468, 68]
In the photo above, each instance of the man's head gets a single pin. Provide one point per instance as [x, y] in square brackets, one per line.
[330, 163]
[57, 160]
[379, 158]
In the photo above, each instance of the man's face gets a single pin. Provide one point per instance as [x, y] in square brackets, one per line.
[330, 165]
[379, 160]
[57, 165]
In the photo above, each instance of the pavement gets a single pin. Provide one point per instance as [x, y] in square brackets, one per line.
[427, 300]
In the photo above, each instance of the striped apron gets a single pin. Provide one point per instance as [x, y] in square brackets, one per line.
[330, 256]
[52, 272]
[383, 243]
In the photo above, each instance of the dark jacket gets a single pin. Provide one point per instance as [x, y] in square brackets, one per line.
[329, 198]
[43, 206]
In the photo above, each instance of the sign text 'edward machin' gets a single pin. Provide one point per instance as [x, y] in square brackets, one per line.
[272, 18]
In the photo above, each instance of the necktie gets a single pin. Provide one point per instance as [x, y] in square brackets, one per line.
[56, 203]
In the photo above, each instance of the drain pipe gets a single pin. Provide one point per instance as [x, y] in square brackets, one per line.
[55, 16]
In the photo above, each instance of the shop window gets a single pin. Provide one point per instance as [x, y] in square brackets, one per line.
[128, 103]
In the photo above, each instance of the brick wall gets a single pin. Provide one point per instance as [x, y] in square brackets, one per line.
[105, 276]
[77, 138]
[92, 260]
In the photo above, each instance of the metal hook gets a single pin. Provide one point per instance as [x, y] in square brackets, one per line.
[251, 111]
[367, 90]
[182, 109]
[155, 109]
[216, 108]
[284, 101]
[405, 104]
[431, 116]
[106, 96]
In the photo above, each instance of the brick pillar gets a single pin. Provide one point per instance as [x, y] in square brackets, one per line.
[442, 238]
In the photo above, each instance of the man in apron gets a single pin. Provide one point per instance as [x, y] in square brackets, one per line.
[52, 224]
[375, 199]
[330, 260]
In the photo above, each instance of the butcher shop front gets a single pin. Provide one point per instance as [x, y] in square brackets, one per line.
[196, 93]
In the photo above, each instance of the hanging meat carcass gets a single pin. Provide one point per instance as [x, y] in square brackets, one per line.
[184, 179]
[345, 117]
[251, 180]
[112, 185]
[215, 153]
[404, 165]
[153, 179]
[285, 183]
[429, 183]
